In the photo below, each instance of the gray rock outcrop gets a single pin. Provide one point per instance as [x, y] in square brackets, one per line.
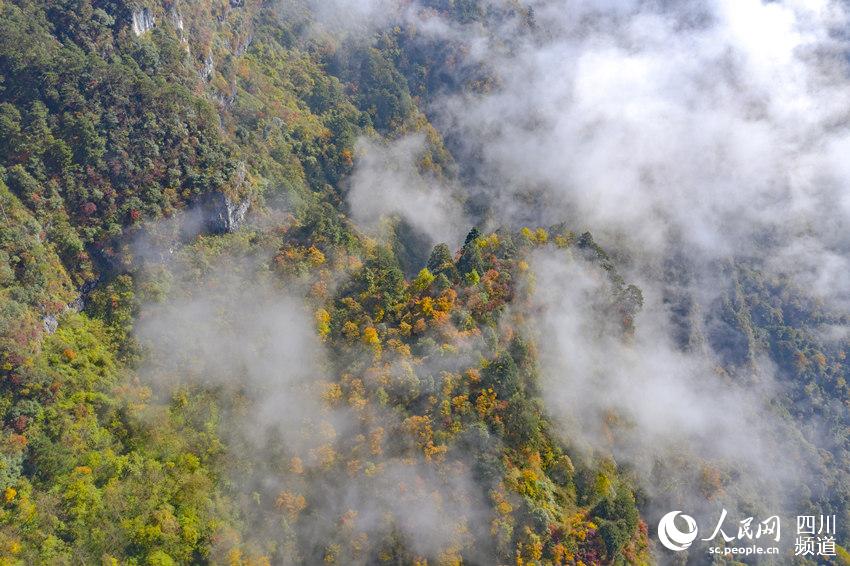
[209, 67]
[222, 214]
[143, 21]
[176, 20]
[50, 324]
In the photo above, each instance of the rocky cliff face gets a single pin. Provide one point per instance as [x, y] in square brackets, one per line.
[209, 67]
[143, 21]
[176, 20]
[222, 214]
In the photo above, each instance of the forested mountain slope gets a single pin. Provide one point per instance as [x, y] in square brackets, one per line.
[206, 356]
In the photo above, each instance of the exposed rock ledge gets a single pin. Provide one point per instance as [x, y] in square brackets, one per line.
[143, 21]
[51, 322]
[222, 214]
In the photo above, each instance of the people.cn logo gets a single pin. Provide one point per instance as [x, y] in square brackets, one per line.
[670, 535]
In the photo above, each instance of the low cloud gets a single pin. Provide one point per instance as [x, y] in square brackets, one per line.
[388, 183]
[303, 466]
[672, 417]
[718, 125]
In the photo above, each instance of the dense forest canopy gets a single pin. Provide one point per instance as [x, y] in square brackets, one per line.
[419, 282]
